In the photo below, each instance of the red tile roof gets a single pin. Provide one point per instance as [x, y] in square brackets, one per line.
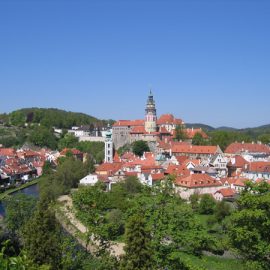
[237, 148]
[163, 130]
[191, 132]
[116, 157]
[7, 152]
[259, 166]
[194, 149]
[178, 170]
[130, 123]
[197, 181]
[138, 130]
[157, 176]
[168, 119]
[239, 162]
[73, 151]
[226, 192]
[109, 168]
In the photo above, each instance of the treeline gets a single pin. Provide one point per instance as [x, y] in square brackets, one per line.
[50, 117]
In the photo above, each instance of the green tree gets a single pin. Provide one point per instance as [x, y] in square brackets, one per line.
[207, 205]
[68, 141]
[222, 210]
[138, 248]
[41, 236]
[180, 134]
[95, 149]
[17, 118]
[264, 138]
[89, 164]
[198, 139]
[139, 147]
[249, 232]
[224, 138]
[194, 201]
[19, 208]
[42, 136]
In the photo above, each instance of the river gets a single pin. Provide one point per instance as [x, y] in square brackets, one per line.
[32, 190]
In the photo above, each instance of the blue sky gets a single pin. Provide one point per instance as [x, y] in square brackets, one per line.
[206, 61]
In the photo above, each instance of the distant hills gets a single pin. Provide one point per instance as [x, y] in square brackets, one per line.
[252, 131]
[51, 117]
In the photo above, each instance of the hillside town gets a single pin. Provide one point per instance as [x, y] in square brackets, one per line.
[197, 169]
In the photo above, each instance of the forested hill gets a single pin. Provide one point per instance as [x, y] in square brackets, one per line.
[50, 117]
[251, 131]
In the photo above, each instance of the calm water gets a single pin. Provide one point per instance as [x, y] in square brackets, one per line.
[32, 190]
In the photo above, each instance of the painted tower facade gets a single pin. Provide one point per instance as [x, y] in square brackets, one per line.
[108, 146]
[150, 114]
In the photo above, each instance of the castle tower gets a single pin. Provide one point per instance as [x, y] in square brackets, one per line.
[108, 146]
[150, 114]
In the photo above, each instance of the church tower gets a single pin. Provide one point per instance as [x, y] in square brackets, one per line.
[150, 114]
[108, 146]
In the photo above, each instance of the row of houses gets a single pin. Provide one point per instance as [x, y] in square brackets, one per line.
[22, 165]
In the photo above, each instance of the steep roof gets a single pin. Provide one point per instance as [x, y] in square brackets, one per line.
[238, 162]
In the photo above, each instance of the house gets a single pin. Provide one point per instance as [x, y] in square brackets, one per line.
[236, 165]
[74, 152]
[196, 184]
[225, 194]
[250, 151]
[109, 169]
[238, 184]
[219, 162]
[90, 180]
[257, 170]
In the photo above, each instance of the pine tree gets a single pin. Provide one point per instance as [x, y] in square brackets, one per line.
[138, 245]
[41, 237]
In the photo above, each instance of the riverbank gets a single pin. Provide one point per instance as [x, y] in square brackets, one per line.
[12, 190]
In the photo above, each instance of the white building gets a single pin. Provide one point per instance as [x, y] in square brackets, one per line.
[90, 179]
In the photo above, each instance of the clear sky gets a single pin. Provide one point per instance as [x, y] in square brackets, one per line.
[206, 61]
